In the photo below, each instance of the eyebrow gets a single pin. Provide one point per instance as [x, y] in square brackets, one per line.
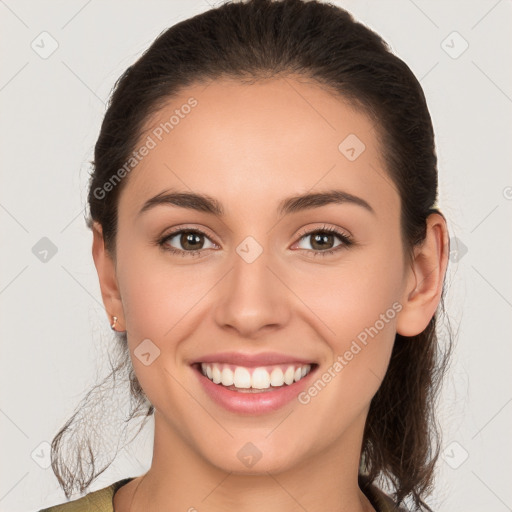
[294, 204]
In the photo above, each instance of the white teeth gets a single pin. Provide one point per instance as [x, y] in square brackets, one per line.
[216, 375]
[288, 375]
[260, 378]
[227, 377]
[277, 377]
[241, 377]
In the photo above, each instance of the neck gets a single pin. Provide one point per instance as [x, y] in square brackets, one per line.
[180, 478]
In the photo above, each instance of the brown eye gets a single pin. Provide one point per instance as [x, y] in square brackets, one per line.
[189, 241]
[322, 241]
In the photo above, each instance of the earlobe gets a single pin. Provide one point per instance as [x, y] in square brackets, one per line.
[425, 279]
[107, 276]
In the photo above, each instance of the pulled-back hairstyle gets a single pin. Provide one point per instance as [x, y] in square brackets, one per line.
[262, 39]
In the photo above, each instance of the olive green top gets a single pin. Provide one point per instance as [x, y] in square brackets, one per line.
[102, 500]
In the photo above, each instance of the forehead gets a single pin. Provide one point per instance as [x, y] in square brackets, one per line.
[250, 144]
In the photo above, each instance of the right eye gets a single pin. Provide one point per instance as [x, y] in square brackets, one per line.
[188, 237]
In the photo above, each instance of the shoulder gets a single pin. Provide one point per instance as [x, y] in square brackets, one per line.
[100, 500]
[379, 500]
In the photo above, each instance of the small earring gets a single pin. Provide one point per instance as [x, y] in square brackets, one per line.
[113, 325]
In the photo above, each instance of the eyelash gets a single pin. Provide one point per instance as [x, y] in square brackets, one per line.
[347, 241]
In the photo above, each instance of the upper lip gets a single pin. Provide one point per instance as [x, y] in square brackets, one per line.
[250, 360]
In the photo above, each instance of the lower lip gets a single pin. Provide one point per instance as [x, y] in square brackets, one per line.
[253, 403]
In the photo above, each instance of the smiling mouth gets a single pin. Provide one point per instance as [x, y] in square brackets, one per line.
[259, 379]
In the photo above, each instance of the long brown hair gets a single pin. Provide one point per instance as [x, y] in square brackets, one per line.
[259, 39]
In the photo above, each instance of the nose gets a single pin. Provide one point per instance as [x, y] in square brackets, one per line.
[253, 298]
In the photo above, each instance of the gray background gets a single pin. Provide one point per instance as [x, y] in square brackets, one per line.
[54, 331]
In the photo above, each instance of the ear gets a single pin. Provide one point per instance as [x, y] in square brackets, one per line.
[425, 279]
[107, 276]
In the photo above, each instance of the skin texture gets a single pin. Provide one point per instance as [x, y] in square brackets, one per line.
[249, 147]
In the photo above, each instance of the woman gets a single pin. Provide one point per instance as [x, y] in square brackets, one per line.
[271, 257]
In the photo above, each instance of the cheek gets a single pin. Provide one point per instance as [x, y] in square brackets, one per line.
[355, 305]
[361, 316]
[351, 295]
[156, 297]
[156, 291]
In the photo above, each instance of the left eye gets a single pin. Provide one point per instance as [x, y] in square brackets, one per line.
[325, 237]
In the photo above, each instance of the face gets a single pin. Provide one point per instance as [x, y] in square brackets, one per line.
[265, 276]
